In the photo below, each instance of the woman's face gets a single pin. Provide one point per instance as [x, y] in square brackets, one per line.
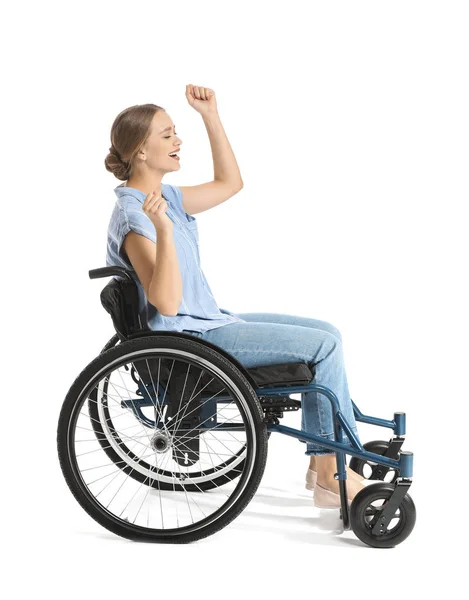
[161, 142]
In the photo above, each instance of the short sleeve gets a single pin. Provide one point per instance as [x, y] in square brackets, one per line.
[134, 219]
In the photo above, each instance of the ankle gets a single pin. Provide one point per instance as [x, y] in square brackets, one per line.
[323, 462]
[326, 479]
[326, 467]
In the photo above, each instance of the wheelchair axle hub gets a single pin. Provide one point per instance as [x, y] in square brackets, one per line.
[160, 442]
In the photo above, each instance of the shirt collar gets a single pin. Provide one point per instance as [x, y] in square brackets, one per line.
[124, 190]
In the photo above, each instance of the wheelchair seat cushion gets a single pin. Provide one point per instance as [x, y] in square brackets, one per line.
[279, 375]
[283, 374]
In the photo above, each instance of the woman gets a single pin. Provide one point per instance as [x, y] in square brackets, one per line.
[152, 231]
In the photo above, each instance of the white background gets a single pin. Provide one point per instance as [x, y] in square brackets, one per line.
[349, 122]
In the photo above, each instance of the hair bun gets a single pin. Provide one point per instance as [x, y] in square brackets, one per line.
[115, 165]
[114, 152]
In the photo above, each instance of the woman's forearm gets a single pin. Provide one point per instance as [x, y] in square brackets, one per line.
[224, 162]
[165, 288]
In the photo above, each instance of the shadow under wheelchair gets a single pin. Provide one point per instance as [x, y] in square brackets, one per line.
[163, 437]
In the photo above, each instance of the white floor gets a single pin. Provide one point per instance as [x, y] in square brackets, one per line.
[281, 544]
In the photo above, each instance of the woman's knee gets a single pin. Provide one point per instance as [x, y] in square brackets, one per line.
[332, 329]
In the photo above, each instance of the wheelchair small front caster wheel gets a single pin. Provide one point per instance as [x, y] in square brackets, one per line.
[365, 512]
[365, 467]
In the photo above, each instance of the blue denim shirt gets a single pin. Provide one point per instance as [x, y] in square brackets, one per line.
[198, 310]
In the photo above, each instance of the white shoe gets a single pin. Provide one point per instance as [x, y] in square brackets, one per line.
[324, 498]
[311, 477]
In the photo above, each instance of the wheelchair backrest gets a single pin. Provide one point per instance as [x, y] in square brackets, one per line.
[120, 298]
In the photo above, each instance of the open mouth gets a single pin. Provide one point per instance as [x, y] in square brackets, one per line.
[174, 155]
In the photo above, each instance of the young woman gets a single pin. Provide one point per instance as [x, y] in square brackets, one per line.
[153, 232]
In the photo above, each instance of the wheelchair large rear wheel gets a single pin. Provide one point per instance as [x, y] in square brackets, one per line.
[186, 435]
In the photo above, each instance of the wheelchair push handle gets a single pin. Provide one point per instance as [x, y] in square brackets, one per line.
[109, 271]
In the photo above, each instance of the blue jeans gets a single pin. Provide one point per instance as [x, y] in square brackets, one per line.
[271, 338]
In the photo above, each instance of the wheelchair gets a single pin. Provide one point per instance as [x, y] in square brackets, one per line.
[163, 437]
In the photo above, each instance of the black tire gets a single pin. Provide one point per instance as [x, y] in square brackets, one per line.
[363, 466]
[362, 513]
[114, 341]
[233, 379]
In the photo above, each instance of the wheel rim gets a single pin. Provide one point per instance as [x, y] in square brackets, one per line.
[142, 506]
[371, 515]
